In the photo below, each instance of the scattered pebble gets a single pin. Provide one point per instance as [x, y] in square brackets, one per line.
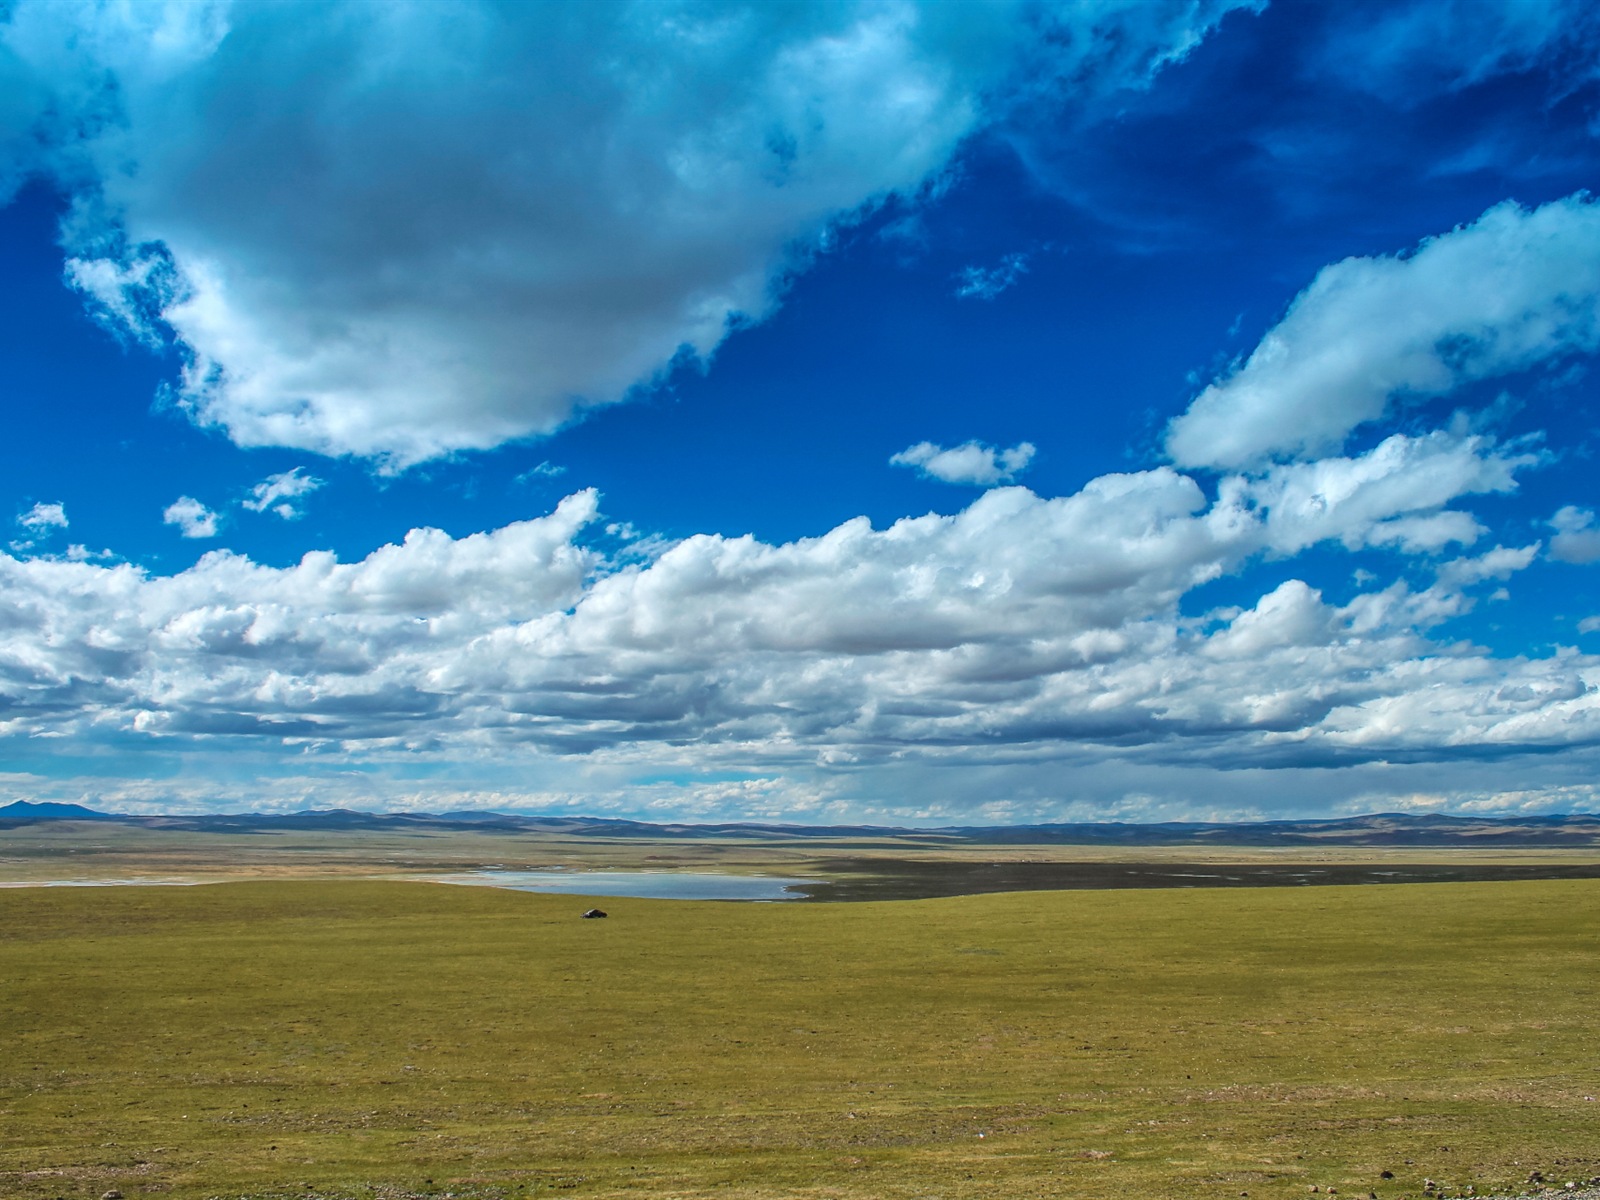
[1569, 1190]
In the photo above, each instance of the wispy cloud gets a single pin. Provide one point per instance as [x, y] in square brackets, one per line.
[1406, 52]
[545, 470]
[279, 493]
[985, 283]
[1577, 540]
[193, 519]
[971, 463]
[42, 518]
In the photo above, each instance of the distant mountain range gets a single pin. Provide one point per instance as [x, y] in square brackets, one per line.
[1380, 829]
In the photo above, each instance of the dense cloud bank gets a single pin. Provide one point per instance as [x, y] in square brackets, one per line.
[400, 230]
[1018, 624]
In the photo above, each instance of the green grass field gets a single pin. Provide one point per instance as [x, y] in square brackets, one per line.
[385, 1039]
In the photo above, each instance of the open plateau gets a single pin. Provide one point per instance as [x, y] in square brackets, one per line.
[322, 1020]
[799, 599]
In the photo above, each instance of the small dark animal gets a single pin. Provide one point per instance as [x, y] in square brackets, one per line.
[592, 913]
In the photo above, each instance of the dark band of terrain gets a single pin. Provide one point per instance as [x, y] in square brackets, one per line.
[905, 879]
[864, 862]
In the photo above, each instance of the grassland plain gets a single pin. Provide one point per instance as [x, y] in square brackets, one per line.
[358, 1038]
[94, 851]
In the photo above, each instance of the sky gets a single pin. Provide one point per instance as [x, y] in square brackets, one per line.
[918, 414]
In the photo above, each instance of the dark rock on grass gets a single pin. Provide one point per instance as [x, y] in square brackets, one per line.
[593, 913]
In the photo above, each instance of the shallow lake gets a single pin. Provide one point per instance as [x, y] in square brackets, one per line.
[654, 885]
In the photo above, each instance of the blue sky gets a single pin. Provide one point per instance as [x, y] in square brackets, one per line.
[893, 412]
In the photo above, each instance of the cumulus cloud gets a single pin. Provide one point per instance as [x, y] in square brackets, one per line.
[985, 283]
[1019, 630]
[1394, 494]
[475, 221]
[1589, 625]
[1577, 540]
[1500, 563]
[42, 517]
[972, 462]
[193, 519]
[1516, 288]
[280, 492]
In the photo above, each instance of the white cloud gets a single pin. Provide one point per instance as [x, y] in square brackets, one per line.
[1516, 288]
[1577, 540]
[1500, 563]
[474, 221]
[1020, 630]
[1589, 625]
[127, 296]
[193, 519]
[985, 283]
[973, 462]
[279, 493]
[1394, 494]
[545, 470]
[42, 518]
